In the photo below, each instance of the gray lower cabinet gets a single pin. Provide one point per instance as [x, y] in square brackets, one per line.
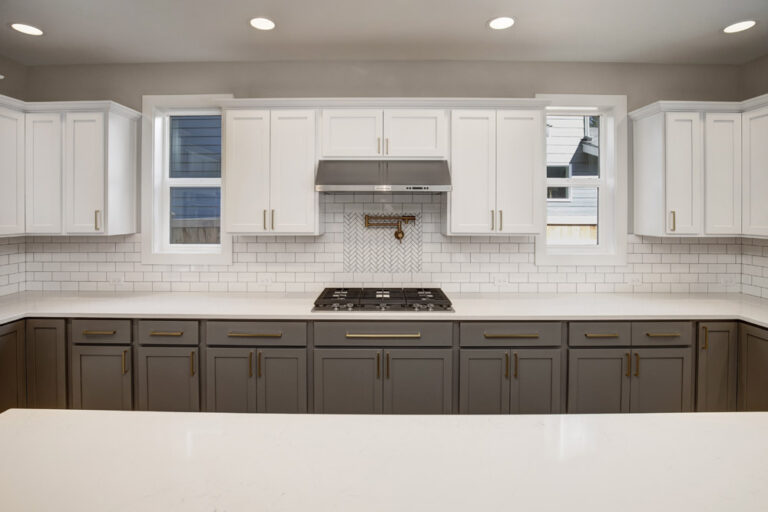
[517, 381]
[753, 369]
[717, 367]
[348, 381]
[230, 379]
[418, 381]
[46, 363]
[168, 378]
[598, 380]
[13, 388]
[101, 377]
[662, 380]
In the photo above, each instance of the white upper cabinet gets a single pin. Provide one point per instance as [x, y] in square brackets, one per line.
[683, 172]
[755, 172]
[384, 133]
[520, 171]
[11, 172]
[269, 172]
[84, 165]
[722, 173]
[43, 173]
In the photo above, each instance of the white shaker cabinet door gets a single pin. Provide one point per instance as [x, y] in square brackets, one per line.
[722, 174]
[11, 172]
[352, 133]
[755, 172]
[520, 171]
[246, 171]
[415, 133]
[84, 170]
[683, 173]
[473, 171]
[43, 173]
[293, 199]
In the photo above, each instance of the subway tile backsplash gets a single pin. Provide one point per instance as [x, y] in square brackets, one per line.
[457, 264]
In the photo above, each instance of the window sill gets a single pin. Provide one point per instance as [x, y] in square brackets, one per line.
[222, 257]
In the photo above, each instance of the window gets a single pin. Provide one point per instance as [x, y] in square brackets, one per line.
[586, 181]
[182, 162]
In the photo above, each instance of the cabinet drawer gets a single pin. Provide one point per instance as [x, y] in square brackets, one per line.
[599, 334]
[511, 334]
[390, 334]
[88, 331]
[262, 334]
[658, 334]
[168, 332]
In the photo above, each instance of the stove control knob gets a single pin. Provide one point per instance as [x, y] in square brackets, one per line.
[430, 307]
[350, 306]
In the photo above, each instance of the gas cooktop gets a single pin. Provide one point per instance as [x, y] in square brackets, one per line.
[382, 299]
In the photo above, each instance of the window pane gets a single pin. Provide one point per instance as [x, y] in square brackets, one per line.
[574, 222]
[573, 142]
[557, 193]
[195, 150]
[557, 171]
[195, 215]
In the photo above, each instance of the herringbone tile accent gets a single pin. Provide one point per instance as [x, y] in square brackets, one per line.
[377, 249]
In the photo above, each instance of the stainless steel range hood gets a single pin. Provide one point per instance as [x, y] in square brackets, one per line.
[383, 176]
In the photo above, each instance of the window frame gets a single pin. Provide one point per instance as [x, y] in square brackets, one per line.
[157, 183]
[611, 248]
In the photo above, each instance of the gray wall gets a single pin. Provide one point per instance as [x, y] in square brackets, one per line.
[126, 83]
[15, 80]
[754, 78]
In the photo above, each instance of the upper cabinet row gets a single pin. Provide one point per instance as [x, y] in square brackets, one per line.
[699, 172]
[68, 171]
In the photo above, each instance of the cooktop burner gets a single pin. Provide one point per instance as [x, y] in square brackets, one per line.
[383, 299]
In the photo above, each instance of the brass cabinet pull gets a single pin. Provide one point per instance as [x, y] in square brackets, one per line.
[492, 336]
[706, 338]
[674, 221]
[378, 365]
[167, 333]
[663, 334]
[99, 333]
[192, 364]
[598, 335]
[273, 220]
[493, 220]
[629, 365]
[123, 362]
[506, 365]
[501, 220]
[265, 220]
[258, 364]
[393, 335]
[96, 220]
[250, 364]
[517, 364]
[386, 146]
[255, 334]
[387, 364]
[378, 145]
[637, 364]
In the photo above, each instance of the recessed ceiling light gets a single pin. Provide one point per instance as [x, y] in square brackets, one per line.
[739, 27]
[2, 77]
[501, 23]
[27, 29]
[262, 23]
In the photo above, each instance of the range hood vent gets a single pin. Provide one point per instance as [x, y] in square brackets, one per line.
[383, 176]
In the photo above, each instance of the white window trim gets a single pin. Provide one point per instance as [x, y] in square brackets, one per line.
[612, 199]
[154, 162]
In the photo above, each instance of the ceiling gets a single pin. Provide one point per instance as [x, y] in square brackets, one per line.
[131, 31]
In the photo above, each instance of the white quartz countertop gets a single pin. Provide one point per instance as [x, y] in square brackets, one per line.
[466, 306]
[130, 461]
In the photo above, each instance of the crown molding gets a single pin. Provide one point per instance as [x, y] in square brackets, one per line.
[446, 103]
[699, 106]
[69, 106]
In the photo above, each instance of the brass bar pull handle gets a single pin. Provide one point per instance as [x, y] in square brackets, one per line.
[258, 364]
[493, 220]
[265, 220]
[192, 364]
[506, 365]
[123, 362]
[255, 334]
[99, 333]
[491, 336]
[273, 220]
[706, 338]
[387, 364]
[674, 220]
[378, 365]
[414, 335]
[629, 365]
[501, 220]
[599, 335]
[663, 334]
[517, 364]
[637, 364]
[378, 145]
[96, 226]
[386, 146]
[250, 364]
[167, 333]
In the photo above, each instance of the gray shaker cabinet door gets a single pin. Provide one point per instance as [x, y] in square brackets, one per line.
[230, 379]
[282, 380]
[598, 380]
[753, 369]
[101, 377]
[13, 390]
[418, 381]
[46, 364]
[168, 379]
[348, 381]
[717, 366]
[535, 378]
[484, 381]
[662, 380]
